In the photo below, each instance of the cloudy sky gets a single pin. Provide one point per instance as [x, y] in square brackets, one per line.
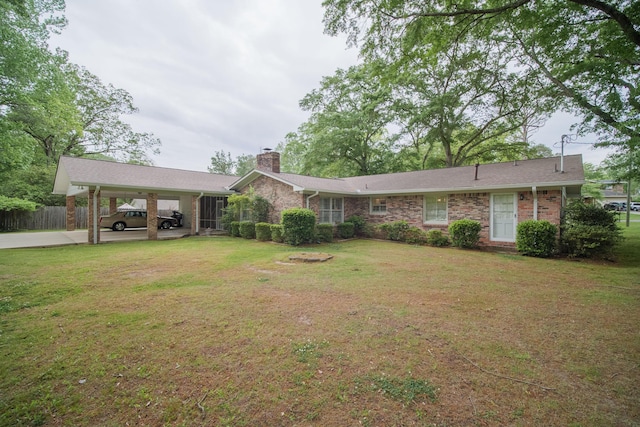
[210, 75]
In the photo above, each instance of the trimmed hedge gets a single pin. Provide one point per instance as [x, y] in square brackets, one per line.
[324, 232]
[263, 231]
[276, 233]
[589, 231]
[298, 225]
[359, 224]
[437, 238]
[536, 238]
[415, 236]
[346, 230]
[235, 228]
[395, 230]
[247, 229]
[465, 233]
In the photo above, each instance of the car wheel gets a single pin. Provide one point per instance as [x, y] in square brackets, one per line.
[119, 226]
[165, 225]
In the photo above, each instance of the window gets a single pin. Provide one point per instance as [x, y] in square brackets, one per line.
[330, 210]
[378, 205]
[435, 208]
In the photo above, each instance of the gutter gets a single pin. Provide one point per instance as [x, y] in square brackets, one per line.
[534, 190]
[95, 214]
[309, 197]
[198, 213]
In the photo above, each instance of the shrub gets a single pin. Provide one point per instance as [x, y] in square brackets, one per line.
[260, 208]
[247, 229]
[358, 225]
[276, 233]
[298, 226]
[324, 232]
[346, 230]
[437, 238]
[589, 231]
[415, 236]
[395, 230]
[235, 228]
[536, 238]
[465, 233]
[263, 231]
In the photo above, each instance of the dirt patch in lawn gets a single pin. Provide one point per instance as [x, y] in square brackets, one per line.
[310, 257]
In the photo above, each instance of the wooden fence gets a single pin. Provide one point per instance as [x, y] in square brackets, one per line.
[49, 218]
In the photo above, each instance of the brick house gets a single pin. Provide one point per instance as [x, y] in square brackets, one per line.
[497, 195]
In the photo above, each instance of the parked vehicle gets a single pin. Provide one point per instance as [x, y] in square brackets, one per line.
[133, 219]
[179, 217]
[616, 206]
[635, 206]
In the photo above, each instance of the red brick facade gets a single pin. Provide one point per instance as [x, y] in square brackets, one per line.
[280, 195]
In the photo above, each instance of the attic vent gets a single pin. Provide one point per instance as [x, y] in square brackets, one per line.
[477, 166]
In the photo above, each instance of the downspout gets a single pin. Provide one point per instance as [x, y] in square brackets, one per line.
[95, 214]
[313, 195]
[534, 190]
[198, 213]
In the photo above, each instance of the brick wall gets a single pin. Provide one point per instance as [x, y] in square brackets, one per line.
[280, 195]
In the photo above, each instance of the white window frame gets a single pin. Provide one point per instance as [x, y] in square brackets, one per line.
[491, 218]
[425, 210]
[332, 211]
[379, 208]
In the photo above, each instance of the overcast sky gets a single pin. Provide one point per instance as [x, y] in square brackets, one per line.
[211, 75]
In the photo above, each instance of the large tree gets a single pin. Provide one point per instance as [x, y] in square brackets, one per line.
[346, 134]
[585, 52]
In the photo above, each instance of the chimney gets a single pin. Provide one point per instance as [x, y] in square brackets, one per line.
[268, 161]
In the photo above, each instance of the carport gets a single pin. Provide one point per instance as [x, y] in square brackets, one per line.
[100, 179]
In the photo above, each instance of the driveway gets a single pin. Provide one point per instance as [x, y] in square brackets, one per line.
[79, 237]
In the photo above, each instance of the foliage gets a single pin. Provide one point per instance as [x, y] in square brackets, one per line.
[593, 176]
[33, 183]
[234, 228]
[260, 208]
[247, 229]
[415, 236]
[536, 238]
[395, 230]
[298, 226]
[277, 233]
[465, 233]
[435, 237]
[346, 230]
[245, 207]
[589, 231]
[10, 204]
[358, 224]
[324, 232]
[263, 231]
[596, 77]
[222, 163]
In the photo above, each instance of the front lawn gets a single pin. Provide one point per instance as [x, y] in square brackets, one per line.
[221, 331]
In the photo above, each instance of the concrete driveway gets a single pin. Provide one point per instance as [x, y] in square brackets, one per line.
[80, 237]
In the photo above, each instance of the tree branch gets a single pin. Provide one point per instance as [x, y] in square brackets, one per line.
[623, 21]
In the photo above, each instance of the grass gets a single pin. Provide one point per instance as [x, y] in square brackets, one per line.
[220, 331]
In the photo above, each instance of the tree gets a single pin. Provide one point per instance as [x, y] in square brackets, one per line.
[585, 52]
[223, 163]
[346, 134]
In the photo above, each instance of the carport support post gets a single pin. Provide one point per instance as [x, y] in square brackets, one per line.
[92, 219]
[113, 205]
[71, 213]
[152, 216]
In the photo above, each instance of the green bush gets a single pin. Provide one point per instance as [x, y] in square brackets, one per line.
[276, 233]
[415, 236]
[235, 228]
[263, 231]
[358, 225]
[346, 230]
[247, 229]
[395, 230]
[465, 233]
[589, 231]
[536, 238]
[437, 238]
[324, 232]
[298, 226]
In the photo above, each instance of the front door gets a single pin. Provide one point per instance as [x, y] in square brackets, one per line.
[503, 217]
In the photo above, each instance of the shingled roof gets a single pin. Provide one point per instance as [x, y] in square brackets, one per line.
[545, 172]
[74, 173]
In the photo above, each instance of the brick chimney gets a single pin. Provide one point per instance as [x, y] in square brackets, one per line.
[268, 161]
